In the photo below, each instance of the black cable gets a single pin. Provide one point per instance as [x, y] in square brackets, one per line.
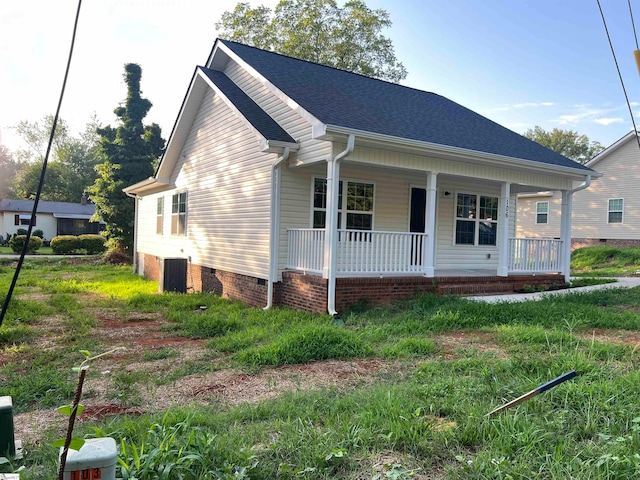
[633, 24]
[25, 247]
[633, 122]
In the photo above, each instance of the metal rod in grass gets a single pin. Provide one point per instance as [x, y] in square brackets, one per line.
[536, 391]
[76, 409]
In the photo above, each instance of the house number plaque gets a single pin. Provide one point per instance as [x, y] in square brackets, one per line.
[86, 474]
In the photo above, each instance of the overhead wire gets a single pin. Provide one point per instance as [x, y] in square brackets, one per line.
[633, 122]
[25, 247]
[633, 24]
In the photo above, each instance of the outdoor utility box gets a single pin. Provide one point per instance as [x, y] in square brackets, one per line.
[7, 441]
[173, 275]
[96, 460]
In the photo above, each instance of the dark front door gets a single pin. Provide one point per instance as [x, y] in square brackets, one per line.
[416, 222]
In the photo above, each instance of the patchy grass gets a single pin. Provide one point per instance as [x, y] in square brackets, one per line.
[605, 261]
[437, 365]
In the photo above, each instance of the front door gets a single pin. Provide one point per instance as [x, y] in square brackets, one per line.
[416, 221]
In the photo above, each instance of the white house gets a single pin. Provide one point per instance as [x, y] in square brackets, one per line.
[53, 218]
[605, 213]
[286, 182]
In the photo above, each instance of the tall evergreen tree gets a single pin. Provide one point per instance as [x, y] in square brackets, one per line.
[130, 151]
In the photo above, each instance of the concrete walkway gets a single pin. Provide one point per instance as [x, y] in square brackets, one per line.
[623, 282]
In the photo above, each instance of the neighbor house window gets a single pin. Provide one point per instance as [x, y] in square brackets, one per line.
[179, 214]
[542, 213]
[159, 215]
[357, 204]
[476, 219]
[23, 220]
[616, 209]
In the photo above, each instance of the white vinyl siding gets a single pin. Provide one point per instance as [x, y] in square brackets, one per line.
[527, 214]
[228, 183]
[620, 175]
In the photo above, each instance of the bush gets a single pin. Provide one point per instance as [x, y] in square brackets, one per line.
[21, 231]
[116, 257]
[92, 243]
[38, 233]
[17, 244]
[65, 244]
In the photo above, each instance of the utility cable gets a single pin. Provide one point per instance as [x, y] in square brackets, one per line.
[619, 73]
[633, 24]
[25, 247]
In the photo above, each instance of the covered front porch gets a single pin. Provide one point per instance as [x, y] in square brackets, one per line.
[391, 254]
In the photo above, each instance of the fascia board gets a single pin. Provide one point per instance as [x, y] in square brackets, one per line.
[462, 153]
[611, 148]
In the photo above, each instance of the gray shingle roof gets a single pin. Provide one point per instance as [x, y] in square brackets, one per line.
[61, 208]
[261, 121]
[353, 101]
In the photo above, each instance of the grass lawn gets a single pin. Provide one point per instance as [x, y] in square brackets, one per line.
[41, 251]
[211, 389]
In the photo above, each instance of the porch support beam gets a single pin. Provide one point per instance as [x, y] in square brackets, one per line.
[503, 241]
[429, 253]
[565, 234]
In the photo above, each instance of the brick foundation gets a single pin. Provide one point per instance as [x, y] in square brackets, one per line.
[609, 242]
[309, 292]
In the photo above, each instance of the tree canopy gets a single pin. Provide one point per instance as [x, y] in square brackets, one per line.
[348, 38]
[71, 167]
[565, 142]
[130, 151]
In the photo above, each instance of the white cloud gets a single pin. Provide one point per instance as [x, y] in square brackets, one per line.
[608, 121]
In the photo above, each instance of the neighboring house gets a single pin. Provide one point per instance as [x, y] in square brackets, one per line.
[53, 218]
[605, 213]
[286, 182]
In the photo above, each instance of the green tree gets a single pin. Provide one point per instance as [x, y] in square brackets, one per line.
[9, 168]
[565, 142]
[71, 166]
[130, 151]
[349, 38]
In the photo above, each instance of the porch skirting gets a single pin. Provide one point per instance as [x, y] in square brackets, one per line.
[309, 292]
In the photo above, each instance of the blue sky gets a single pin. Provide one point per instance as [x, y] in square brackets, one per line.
[520, 63]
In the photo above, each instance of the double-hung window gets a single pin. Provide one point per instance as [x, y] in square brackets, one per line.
[159, 215]
[615, 210]
[357, 204]
[476, 219]
[542, 213]
[179, 214]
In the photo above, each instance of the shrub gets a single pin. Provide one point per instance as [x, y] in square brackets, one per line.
[38, 233]
[92, 243]
[21, 231]
[116, 257]
[17, 244]
[64, 244]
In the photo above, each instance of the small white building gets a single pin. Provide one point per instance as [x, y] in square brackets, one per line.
[286, 182]
[53, 218]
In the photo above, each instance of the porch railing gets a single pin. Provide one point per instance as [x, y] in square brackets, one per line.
[529, 255]
[359, 252]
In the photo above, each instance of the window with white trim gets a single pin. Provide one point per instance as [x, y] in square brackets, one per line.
[615, 210]
[476, 219]
[179, 214]
[357, 204]
[159, 215]
[542, 213]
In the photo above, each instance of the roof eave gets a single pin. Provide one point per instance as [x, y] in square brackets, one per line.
[327, 130]
[611, 148]
[145, 186]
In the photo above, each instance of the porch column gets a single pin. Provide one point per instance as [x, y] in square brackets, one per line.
[503, 242]
[565, 234]
[430, 226]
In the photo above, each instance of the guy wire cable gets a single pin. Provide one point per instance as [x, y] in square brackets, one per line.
[619, 73]
[25, 247]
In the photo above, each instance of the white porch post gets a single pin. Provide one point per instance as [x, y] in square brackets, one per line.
[430, 226]
[565, 234]
[503, 242]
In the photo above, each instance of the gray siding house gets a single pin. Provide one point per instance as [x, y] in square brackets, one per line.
[286, 182]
